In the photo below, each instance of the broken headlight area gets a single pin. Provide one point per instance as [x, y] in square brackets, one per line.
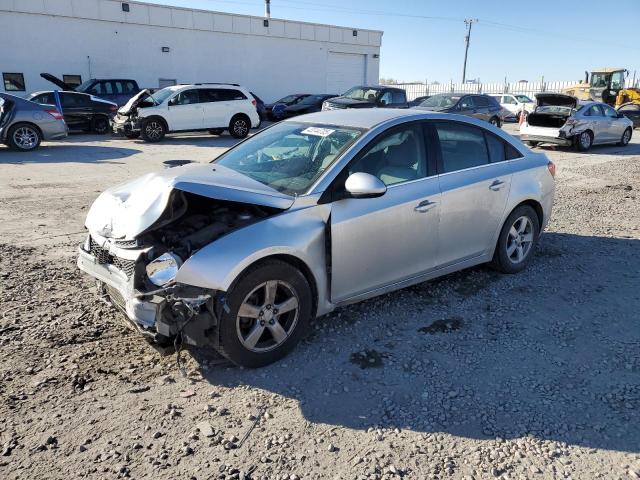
[163, 270]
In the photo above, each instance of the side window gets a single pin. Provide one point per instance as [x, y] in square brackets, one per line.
[496, 148]
[466, 103]
[511, 153]
[481, 102]
[386, 98]
[129, 87]
[187, 97]
[609, 112]
[227, 95]
[398, 97]
[594, 111]
[107, 88]
[398, 156]
[45, 98]
[509, 100]
[118, 87]
[462, 146]
[69, 100]
[208, 95]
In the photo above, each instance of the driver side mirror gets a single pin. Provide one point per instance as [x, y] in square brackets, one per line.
[364, 185]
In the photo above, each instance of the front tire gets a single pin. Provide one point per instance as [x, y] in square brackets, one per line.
[24, 137]
[626, 138]
[153, 130]
[239, 126]
[270, 309]
[100, 125]
[517, 240]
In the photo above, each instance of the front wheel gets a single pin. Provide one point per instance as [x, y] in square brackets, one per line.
[239, 126]
[24, 137]
[153, 130]
[269, 312]
[518, 238]
[626, 138]
[100, 125]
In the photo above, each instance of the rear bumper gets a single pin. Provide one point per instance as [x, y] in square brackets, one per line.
[54, 130]
[544, 139]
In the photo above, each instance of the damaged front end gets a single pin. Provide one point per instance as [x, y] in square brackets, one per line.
[137, 244]
[127, 121]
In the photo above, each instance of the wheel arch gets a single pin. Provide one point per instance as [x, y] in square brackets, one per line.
[31, 124]
[157, 117]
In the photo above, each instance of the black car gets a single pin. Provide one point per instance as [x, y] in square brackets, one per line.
[81, 111]
[418, 100]
[369, 97]
[632, 112]
[117, 90]
[283, 103]
[260, 107]
[312, 103]
[478, 106]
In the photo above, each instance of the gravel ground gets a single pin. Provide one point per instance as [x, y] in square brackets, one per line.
[476, 375]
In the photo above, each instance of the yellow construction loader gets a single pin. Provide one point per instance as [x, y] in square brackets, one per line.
[605, 85]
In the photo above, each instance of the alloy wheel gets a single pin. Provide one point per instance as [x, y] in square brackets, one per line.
[267, 316]
[520, 239]
[25, 138]
[626, 137]
[585, 140]
[153, 130]
[240, 127]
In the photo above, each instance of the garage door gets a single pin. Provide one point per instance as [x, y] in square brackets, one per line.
[344, 71]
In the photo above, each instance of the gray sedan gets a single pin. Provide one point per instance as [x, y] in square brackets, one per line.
[310, 214]
[24, 124]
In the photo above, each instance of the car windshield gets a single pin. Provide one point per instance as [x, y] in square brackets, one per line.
[440, 101]
[311, 99]
[290, 156]
[523, 99]
[288, 99]
[161, 95]
[363, 93]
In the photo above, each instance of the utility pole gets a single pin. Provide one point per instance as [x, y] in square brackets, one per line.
[468, 22]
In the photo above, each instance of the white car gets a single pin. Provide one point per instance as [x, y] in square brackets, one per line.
[516, 103]
[187, 108]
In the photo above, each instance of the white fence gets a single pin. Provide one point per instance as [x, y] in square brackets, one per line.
[530, 88]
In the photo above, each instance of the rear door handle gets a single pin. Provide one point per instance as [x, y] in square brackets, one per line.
[424, 206]
[496, 185]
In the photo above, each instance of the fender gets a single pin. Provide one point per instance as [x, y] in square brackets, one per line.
[300, 234]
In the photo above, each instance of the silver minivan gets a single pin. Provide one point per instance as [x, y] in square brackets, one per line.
[312, 213]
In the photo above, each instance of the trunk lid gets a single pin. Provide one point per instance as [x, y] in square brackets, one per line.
[556, 100]
[57, 82]
[127, 210]
[134, 101]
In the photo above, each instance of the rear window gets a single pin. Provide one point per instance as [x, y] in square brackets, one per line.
[462, 146]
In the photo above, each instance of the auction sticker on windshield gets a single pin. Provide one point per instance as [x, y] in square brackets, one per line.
[317, 131]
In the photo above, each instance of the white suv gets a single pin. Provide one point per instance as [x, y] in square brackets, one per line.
[516, 103]
[182, 108]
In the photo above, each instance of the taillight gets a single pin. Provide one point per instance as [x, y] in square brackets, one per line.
[255, 104]
[55, 114]
[552, 168]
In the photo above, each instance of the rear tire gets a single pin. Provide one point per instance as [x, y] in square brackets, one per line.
[517, 241]
[100, 125]
[626, 137]
[216, 131]
[153, 130]
[265, 335]
[24, 137]
[239, 126]
[584, 141]
[533, 144]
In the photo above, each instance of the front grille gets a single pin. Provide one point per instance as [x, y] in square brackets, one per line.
[127, 243]
[103, 256]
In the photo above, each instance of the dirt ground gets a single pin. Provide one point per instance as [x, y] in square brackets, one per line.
[476, 375]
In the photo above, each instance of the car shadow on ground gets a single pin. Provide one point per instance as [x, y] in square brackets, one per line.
[481, 355]
[610, 149]
[66, 152]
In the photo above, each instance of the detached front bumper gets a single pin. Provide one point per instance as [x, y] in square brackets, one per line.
[124, 125]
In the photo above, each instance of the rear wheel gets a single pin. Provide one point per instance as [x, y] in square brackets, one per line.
[533, 144]
[216, 131]
[24, 137]
[100, 125]
[239, 126]
[153, 130]
[584, 141]
[269, 312]
[626, 138]
[518, 237]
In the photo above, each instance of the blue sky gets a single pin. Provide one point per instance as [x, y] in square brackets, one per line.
[424, 39]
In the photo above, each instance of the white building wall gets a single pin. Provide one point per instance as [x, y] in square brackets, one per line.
[96, 39]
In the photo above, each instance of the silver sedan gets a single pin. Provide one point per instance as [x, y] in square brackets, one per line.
[310, 214]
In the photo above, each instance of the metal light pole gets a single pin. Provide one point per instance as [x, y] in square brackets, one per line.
[468, 22]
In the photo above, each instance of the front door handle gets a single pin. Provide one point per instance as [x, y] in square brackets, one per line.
[424, 206]
[496, 185]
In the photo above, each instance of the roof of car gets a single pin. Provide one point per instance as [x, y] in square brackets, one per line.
[358, 117]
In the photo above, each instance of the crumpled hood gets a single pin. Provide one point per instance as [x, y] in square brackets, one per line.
[128, 209]
[133, 102]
